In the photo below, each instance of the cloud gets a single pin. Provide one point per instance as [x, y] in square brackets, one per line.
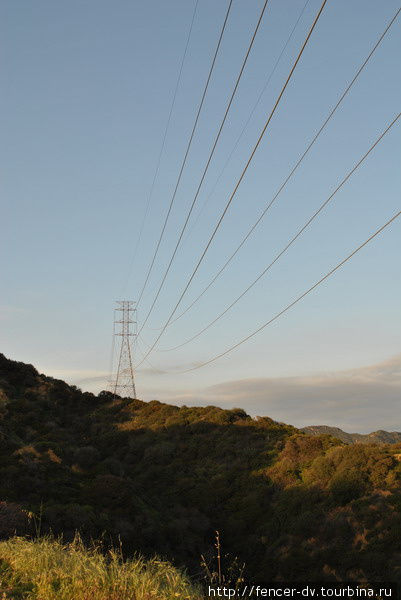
[361, 400]
[172, 369]
[151, 371]
[93, 379]
[79, 377]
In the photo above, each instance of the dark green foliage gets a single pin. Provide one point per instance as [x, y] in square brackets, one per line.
[163, 479]
[13, 519]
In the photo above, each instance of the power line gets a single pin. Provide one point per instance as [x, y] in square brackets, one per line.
[293, 239]
[236, 145]
[298, 299]
[241, 176]
[113, 339]
[150, 194]
[207, 164]
[186, 152]
[293, 170]
[249, 118]
[142, 352]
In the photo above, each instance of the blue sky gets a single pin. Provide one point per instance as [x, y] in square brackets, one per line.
[87, 88]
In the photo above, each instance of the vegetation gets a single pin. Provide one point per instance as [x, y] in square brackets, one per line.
[47, 569]
[162, 479]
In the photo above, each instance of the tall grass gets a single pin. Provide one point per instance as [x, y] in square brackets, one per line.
[47, 569]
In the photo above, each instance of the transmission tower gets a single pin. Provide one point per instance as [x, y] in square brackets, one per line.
[124, 382]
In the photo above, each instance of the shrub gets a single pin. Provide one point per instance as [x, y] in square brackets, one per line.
[13, 520]
[346, 486]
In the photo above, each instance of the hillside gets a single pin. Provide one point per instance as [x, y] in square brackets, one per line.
[376, 437]
[163, 479]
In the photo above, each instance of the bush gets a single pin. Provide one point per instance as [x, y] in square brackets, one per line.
[346, 487]
[87, 456]
[13, 520]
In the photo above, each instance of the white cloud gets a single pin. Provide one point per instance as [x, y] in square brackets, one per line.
[80, 377]
[360, 400]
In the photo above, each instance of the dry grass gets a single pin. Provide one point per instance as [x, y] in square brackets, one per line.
[47, 569]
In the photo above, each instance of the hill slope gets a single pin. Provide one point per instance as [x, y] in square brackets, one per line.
[163, 479]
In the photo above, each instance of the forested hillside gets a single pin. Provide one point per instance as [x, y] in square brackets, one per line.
[163, 479]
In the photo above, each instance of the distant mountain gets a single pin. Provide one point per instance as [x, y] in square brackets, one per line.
[376, 437]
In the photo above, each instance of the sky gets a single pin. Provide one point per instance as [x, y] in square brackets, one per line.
[87, 90]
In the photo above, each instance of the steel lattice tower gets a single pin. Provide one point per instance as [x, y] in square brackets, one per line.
[124, 382]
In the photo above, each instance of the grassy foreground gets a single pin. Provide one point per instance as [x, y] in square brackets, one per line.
[47, 569]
